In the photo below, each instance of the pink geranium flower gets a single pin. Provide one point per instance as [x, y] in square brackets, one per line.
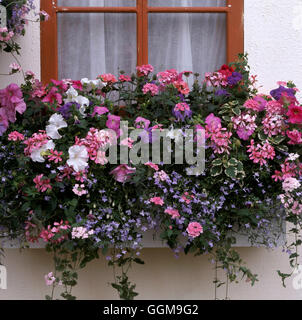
[194, 229]
[122, 173]
[150, 87]
[157, 200]
[144, 69]
[42, 184]
[15, 136]
[108, 78]
[173, 213]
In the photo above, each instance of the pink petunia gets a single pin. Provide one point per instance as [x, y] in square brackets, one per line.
[123, 173]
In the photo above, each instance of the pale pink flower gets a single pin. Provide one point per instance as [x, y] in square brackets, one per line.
[152, 165]
[144, 69]
[15, 136]
[152, 88]
[123, 173]
[157, 200]
[194, 229]
[42, 184]
[173, 213]
[49, 279]
[290, 184]
[79, 190]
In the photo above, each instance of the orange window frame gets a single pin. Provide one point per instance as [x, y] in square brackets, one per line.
[49, 43]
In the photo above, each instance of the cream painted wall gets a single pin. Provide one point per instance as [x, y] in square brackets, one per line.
[275, 51]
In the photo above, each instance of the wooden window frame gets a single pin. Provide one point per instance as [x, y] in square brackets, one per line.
[49, 42]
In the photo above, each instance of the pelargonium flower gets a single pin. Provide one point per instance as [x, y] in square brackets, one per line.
[174, 213]
[42, 184]
[194, 229]
[181, 111]
[182, 87]
[78, 158]
[295, 137]
[124, 78]
[108, 78]
[49, 279]
[5, 35]
[290, 184]
[56, 122]
[145, 69]
[260, 153]
[226, 71]
[15, 136]
[245, 124]
[122, 173]
[79, 189]
[152, 88]
[167, 77]
[157, 200]
[81, 233]
[295, 114]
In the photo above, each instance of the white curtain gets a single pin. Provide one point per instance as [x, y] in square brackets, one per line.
[90, 44]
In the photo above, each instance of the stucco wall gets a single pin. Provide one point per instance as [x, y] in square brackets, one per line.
[275, 53]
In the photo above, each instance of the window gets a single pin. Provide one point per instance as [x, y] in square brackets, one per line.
[84, 38]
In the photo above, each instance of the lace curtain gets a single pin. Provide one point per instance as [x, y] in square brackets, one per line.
[90, 44]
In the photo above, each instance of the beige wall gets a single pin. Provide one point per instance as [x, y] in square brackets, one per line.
[275, 54]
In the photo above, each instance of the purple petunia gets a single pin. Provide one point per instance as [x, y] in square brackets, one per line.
[234, 78]
[277, 93]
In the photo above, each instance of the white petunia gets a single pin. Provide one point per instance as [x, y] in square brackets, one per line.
[56, 122]
[78, 158]
[83, 102]
[37, 155]
[71, 94]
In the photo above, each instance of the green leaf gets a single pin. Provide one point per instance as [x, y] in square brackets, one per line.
[262, 136]
[231, 172]
[217, 162]
[233, 162]
[277, 140]
[237, 111]
[216, 171]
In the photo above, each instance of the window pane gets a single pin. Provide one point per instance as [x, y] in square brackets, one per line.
[187, 41]
[97, 3]
[187, 3]
[90, 44]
